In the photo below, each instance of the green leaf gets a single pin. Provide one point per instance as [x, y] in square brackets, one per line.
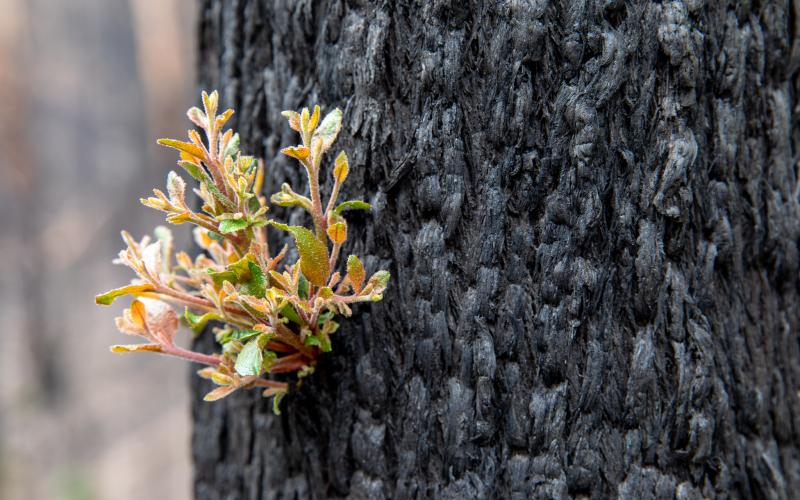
[226, 202]
[379, 280]
[232, 225]
[289, 313]
[312, 340]
[197, 322]
[321, 341]
[302, 287]
[269, 358]
[107, 298]
[226, 335]
[253, 205]
[288, 198]
[242, 267]
[351, 205]
[313, 253]
[382, 277]
[256, 285]
[327, 315]
[220, 277]
[276, 401]
[329, 129]
[249, 360]
[233, 145]
[240, 335]
[196, 171]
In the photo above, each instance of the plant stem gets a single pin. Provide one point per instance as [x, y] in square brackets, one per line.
[197, 357]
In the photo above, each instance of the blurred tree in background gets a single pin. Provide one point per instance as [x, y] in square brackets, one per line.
[86, 86]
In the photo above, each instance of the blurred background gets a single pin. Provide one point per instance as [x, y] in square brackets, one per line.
[86, 87]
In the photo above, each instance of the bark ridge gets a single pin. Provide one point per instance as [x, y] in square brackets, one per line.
[590, 212]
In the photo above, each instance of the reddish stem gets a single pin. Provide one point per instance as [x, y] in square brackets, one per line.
[197, 357]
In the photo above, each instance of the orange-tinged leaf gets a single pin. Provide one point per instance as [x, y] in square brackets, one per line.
[138, 314]
[341, 168]
[162, 320]
[304, 115]
[207, 372]
[356, 273]
[298, 152]
[136, 348]
[210, 102]
[107, 298]
[338, 232]
[190, 158]
[219, 393]
[194, 136]
[186, 147]
[314, 120]
[223, 118]
[294, 119]
[221, 379]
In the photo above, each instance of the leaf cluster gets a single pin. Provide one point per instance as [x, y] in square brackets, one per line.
[276, 317]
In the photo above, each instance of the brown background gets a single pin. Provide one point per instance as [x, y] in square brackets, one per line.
[86, 86]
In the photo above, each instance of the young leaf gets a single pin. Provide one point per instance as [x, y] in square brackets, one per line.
[341, 168]
[302, 287]
[379, 281]
[197, 322]
[249, 360]
[210, 102]
[233, 145]
[256, 285]
[321, 341]
[197, 117]
[232, 225]
[219, 393]
[313, 341]
[297, 152]
[186, 147]
[289, 313]
[313, 253]
[276, 401]
[351, 205]
[329, 129]
[312, 122]
[337, 232]
[356, 273]
[176, 187]
[161, 320]
[288, 198]
[220, 277]
[136, 348]
[108, 297]
[138, 314]
[294, 119]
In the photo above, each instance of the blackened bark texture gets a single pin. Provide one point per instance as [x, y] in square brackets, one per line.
[590, 212]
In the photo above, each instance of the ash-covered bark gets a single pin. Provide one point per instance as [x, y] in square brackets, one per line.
[590, 212]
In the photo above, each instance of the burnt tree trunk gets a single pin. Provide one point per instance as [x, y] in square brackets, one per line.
[590, 212]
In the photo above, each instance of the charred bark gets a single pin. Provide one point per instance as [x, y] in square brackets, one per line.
[590, 212]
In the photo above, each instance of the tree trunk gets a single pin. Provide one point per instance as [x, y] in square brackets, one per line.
[590, 212]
